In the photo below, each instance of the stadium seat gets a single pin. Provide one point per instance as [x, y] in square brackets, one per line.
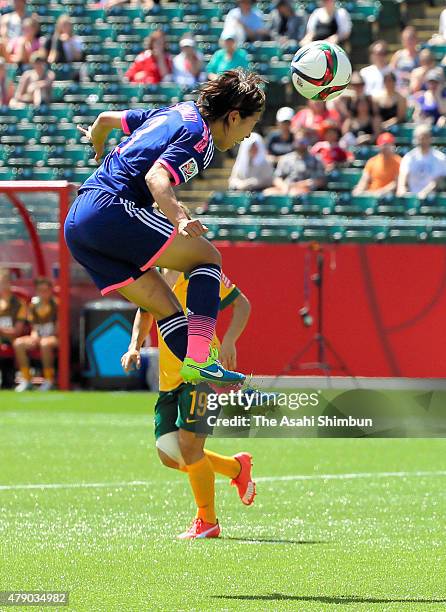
[359, 205]
[69, 156]
[315, 203]
[30, 155]
[364, 231]
[21, 133]
[433, 206]
[343, 180]
[59, 133]
[271, 205]
[404, 231]
[7, 174]
[273, 231]
[229, 203]
[122, 93]
[403, 133]
[391, 206]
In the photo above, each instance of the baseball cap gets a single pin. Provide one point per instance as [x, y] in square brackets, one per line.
[385, 138]
[434, 75]
[187, 42]
[284, 114]
[227, 36]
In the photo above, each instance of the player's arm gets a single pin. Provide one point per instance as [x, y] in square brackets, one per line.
[158, 180]
[142, 325]
[98, 133]
[241, 310]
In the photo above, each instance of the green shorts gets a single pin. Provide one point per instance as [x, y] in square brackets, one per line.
[183, 408]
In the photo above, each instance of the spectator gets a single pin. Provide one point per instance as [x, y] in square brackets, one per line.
[245, 23]
[188, 64]
[418, 75]
[153, 65]
[63, 47]
[285, 25]
[392, 106]
[281, 141]
[430, 105]
[228, 58]
[43, 321]
[328, 23]
[29, 42]
[329, 150]
[423, 168]
[406, 59]
[11, 23]
[362, 123]
[314, 116]
[373, 74]
[380, 174]
[35, 85]
[440, 38]
[6, 85]
[252, 170]
[298, 172]
[12, 323]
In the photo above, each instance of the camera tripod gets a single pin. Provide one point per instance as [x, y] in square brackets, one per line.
[323, 345]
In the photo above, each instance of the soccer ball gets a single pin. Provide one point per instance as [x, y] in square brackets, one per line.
[320, 70]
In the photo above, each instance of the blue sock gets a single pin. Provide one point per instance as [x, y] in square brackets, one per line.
[173, 330]
[203, 300]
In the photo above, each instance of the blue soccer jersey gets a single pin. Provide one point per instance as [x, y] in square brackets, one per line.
[176, 137]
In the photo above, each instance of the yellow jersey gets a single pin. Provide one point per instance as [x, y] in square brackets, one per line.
[170, 365]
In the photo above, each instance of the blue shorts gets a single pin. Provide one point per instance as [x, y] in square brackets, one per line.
[113, 239]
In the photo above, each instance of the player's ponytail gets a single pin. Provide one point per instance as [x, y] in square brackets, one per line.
[233, 90]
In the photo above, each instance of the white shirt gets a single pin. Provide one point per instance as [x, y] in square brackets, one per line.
[342, 19]
[422, 169]
[374, 78]
[181, 75]
[442, 26]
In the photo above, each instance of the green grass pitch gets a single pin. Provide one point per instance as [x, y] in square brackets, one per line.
[104, 526]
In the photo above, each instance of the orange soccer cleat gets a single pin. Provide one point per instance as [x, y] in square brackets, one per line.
[200, 529]
[245, 485]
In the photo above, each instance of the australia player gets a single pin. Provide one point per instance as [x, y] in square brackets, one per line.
[180, 407]
[116, 233]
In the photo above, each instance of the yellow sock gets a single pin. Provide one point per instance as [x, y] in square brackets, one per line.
[48, 374]
[202, 481]
[26, 374]
[228, 466]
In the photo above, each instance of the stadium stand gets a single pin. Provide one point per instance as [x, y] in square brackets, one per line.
[43, 142]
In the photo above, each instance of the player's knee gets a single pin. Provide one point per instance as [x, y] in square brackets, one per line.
[190, 446]
[19, 343]
[166, 460]
[215, 256]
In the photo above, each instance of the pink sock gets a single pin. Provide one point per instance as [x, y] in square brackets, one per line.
[200, 333]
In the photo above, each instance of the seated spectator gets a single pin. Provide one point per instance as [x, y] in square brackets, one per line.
[11, 23]
[406, 59]
[373, 74]
[362, 123]
[423, 168]
[285, 24]
[34, 85]
[245, 23]
[6, 85]
[328, 23]
[440, 38]
[430, 105]
[43, 336]
[328, 150]
[418, 75]
[252, 170]
[64, 47]
[281, 140]
[188, 64]
[228, 58]
[12, 323]
[313, 117]
[392, 106]
[298, 172]
[29, 42]
[380, 174]
[153, 65]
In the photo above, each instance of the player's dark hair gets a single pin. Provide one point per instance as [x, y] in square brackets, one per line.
[233, 90]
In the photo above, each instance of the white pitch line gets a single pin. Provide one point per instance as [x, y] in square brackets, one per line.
[292, 477]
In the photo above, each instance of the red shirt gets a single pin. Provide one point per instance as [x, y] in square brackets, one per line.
[146, 63]
[330, 154]
[305, 118]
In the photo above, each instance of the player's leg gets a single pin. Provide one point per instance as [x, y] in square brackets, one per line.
[166, 430]
[48, 346]
[21, 346]
[201, 260]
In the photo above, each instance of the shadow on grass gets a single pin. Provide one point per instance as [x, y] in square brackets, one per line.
[273, 541]
[342, 599]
